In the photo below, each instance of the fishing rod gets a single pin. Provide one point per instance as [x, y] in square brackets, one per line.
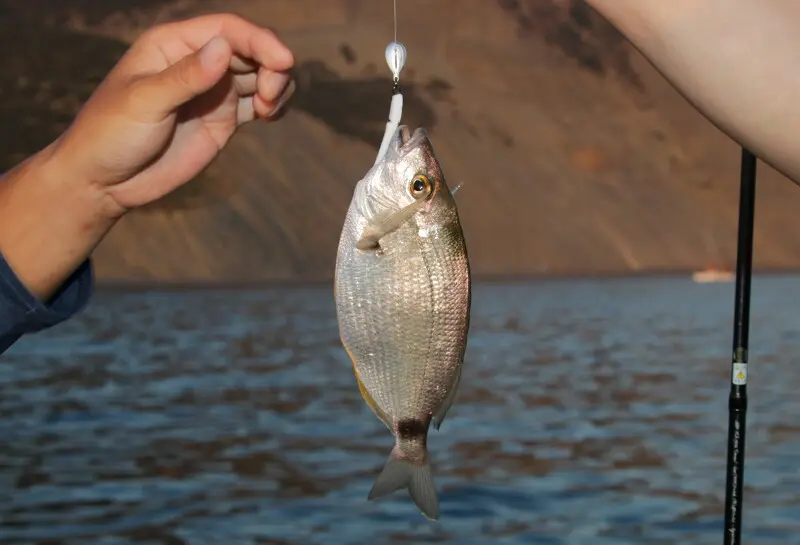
[737, 401]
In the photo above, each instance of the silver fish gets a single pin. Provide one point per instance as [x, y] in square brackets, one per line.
[402, 293]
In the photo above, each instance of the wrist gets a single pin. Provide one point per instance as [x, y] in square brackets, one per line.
[50, 220]
[54, 166]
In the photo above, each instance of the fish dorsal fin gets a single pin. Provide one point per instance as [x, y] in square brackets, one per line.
[438, 418]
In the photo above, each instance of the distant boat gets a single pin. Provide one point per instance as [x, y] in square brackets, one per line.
[713, 275]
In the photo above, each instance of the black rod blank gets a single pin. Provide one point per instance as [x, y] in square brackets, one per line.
[737, 402]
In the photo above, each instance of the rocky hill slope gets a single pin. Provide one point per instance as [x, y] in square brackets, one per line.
[575, 156]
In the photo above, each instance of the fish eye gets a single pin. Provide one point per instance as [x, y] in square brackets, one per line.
[420, 186]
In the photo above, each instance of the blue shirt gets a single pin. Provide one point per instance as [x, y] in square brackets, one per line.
[21, 312]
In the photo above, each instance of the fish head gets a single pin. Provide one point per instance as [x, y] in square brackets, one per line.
[408, 173]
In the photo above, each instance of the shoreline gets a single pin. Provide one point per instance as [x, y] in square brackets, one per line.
[134, 286]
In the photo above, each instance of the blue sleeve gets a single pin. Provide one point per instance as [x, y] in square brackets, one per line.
[22, 313]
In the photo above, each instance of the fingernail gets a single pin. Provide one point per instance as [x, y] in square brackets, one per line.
[272, 85]
[212, 53]
[286, 54]
[285, 96]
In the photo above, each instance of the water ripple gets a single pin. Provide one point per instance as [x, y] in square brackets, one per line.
[590, 412]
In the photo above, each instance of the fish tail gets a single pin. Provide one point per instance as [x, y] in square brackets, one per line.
[402, 472]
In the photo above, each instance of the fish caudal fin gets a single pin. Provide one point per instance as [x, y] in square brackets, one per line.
[416, 476]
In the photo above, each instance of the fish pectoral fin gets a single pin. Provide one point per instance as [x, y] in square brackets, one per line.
[438, 418]
[384, 224]
[370, 239]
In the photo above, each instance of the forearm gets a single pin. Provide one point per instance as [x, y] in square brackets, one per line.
[49, 223]
[737, 61]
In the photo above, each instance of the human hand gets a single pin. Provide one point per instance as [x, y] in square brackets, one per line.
[169, 106]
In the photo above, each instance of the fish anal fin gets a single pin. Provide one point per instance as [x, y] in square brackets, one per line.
[438, 418]
[366, 396]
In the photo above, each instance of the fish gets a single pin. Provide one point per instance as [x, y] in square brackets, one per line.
[402, 290]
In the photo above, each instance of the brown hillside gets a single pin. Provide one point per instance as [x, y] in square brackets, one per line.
[575, 156]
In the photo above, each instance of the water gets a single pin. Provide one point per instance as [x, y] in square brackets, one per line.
[590, 412]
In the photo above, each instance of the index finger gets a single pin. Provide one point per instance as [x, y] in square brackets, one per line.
[246, 39]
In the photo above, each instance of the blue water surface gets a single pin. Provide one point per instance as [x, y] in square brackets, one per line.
[590, 412]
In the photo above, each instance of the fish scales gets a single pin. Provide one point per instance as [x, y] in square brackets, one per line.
[402, 292]
[404, 301]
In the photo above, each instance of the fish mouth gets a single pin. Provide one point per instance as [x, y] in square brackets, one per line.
[406, 140]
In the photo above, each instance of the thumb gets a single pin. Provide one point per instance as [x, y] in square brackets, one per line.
[193, 75]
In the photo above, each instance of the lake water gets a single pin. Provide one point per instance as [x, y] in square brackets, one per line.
[590, 412]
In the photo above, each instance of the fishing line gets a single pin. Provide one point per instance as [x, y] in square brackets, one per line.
[396, 59]
[737, 404]
[737, 401]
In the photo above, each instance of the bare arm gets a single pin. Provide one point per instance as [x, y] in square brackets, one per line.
[49, 223]
[737, 61]
[157, 120]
